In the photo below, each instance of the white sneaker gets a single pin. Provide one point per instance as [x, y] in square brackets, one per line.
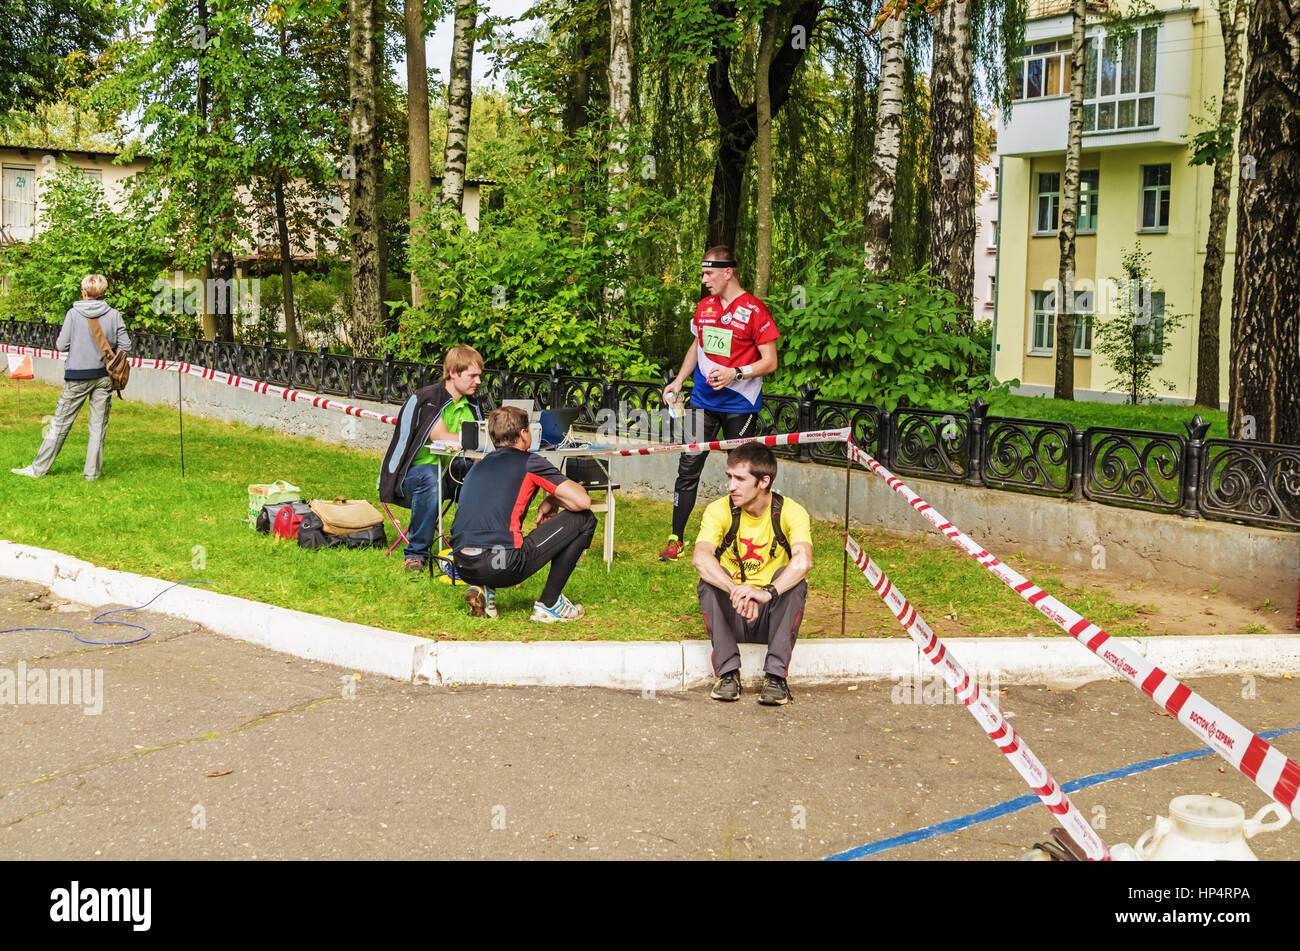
[25, 471]
[561, 610]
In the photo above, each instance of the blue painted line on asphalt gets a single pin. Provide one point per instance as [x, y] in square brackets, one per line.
[1024, 802]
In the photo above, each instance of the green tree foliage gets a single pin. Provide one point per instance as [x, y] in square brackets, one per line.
[220, 105]
[80, 234]
[48, 47]
[1132, 340]
[892, 341]
[521, 289]
[67, 124]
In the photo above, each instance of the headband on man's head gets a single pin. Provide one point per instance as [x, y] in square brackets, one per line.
[718, 264]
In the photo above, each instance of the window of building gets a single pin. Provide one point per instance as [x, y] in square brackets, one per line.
[1088, 181]
[993, 286]
[1049, 195]
[18, 196]
[993, 234]
[1154, 330]
[1155, 197]
[94, 174]
[1119, 82]
[1043, 339]
[1044, 71]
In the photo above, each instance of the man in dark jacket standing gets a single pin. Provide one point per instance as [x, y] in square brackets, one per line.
[409, 474]
[84, 378]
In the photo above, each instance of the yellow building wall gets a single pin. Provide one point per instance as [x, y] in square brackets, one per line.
[1011, 305]
[1043, 268]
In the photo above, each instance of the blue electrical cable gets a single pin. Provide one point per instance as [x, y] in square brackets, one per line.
[96, 620]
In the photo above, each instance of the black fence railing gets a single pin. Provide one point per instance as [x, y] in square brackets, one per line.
[1226, 479]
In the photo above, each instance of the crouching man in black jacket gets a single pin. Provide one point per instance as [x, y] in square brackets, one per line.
[490, 548]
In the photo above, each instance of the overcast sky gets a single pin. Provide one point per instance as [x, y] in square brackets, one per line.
[438, 45]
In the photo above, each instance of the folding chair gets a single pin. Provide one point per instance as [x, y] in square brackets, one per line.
[594, 477]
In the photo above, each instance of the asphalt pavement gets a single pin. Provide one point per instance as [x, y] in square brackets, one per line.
[197, 746]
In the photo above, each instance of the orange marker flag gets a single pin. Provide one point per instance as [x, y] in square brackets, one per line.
[20, 366]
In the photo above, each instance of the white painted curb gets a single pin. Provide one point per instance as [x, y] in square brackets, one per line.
[305, 635]
[629, 665]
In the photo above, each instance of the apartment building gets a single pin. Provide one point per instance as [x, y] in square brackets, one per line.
[1140, 93]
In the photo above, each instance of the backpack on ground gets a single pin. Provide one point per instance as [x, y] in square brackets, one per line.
[778, 536]
[115, 361]
[353, 523]
[282, 519]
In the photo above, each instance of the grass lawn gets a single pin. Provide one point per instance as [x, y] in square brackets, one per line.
[143, 517]
[1159, 417]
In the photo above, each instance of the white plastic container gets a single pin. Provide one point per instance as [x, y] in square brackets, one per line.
[1204, 828]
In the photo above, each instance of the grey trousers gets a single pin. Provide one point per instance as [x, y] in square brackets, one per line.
[75, 392]
[777, 626]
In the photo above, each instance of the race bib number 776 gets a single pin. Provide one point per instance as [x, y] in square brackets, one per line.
[717, 341]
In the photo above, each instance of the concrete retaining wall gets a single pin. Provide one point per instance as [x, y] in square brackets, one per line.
[1250, 563]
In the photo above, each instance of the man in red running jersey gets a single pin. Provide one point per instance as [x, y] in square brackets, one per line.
[733, 349]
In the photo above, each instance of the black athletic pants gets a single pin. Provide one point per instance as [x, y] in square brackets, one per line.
[702, 425]
[559, 541]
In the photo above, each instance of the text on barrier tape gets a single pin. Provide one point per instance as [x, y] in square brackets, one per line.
[1268, 768]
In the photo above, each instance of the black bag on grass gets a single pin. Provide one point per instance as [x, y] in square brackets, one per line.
[312, 534]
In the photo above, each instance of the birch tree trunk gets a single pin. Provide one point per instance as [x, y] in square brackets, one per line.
[417, 124]
[884, 160]
[1265, 353]
[1232, 19]
[620, 95]
[363, 226]
[763, 152]
[459, 101]
[1063, 388]
[952, 157]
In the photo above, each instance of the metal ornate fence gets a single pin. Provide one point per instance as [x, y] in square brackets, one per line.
[1230, 480]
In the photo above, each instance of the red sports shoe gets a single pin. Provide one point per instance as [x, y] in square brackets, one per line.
[673, 550]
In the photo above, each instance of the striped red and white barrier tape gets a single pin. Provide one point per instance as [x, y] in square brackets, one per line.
[1268, 768]
[981, 708]
[230, 379]
[323, 402]
[784, 439]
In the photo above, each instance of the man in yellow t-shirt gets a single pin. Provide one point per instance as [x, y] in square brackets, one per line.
[752, 586]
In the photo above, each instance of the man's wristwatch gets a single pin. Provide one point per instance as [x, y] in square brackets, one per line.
[740, 373]
[771, 589]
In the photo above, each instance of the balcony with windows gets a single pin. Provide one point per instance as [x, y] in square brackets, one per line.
[1041, 9]
[1136, 88]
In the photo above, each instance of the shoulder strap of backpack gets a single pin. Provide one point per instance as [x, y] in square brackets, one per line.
[778, 536]
[729, 539]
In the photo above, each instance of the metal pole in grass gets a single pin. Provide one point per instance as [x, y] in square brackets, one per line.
[844, 584]
[180, 420]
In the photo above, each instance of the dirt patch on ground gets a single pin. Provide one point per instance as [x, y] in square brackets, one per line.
[1158, 609]
[1167, 609]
